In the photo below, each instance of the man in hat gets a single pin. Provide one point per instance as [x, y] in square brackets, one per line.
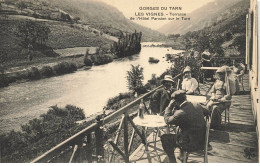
[189, 84]
[220, 93]
[161, 97]
[190, 119]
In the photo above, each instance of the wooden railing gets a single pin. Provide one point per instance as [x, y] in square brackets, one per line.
[85, 137]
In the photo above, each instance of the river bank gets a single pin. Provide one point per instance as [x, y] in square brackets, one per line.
[88, 89]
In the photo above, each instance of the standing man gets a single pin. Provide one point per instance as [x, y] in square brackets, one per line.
[190, 119]
[161, 97]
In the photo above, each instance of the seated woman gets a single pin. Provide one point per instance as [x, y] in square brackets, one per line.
[221, 92]
[189, 84]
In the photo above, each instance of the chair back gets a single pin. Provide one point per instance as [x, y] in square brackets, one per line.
[208, 121]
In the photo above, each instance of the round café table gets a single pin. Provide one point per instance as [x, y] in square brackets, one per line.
[151, 121]
[196, 98]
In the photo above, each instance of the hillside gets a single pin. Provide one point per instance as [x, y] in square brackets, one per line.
[106, 18]
[71, 23]
[199, 19]
[227, 35]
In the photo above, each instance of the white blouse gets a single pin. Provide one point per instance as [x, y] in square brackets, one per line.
[189, 84]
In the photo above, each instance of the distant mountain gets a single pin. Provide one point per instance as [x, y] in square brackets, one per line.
[227, 31]
[200, 18]
[103, 17]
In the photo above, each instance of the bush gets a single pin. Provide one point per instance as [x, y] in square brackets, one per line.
[33, 73]
[114, 103]
[39, 135]
[135, 79]
[87, 61]
[64, 67]
[3, 80]
[101, 59]
[46, 71]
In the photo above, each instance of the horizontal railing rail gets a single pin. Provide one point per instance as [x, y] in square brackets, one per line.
[95, 127]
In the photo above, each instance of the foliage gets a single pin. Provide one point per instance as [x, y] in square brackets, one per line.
[204, 40]
[33, 73]
[240, 43]
[87, 61]
[46, 71]
[64, 67]
[32, 32]
[128, 44]
[3, 80]
[101, 59]
[135, 79]
[226, 28]
[41, 134]
[115, 102]
[21, 5]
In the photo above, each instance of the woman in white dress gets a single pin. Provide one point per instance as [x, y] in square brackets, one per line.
[189, 84]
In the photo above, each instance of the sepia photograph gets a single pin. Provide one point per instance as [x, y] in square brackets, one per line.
[129, 81]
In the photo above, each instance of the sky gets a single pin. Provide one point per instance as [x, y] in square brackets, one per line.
[131, 7]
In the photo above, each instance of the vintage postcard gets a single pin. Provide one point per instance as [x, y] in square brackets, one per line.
[129, 81]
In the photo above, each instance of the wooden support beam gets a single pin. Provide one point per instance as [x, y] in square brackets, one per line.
[126, 137]
[118, 150]
[116, 139]
[73, 153]
[131, 141]
[137, 131]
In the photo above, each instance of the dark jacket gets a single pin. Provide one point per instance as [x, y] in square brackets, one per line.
[160, 100]
[190, 119]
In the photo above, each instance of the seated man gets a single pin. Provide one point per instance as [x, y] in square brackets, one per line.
[190, 119]
[220, 93]
[189, 84]
[161, 97]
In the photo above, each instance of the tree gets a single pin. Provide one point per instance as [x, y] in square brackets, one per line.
[32, 32]
[21, 5]
[135, 79]
[240, 43]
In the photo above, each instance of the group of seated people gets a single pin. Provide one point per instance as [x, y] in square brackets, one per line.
[189, 116]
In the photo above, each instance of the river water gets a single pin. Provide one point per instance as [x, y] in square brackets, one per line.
[87, 89]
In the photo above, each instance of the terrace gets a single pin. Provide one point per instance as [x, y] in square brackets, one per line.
[237, 143]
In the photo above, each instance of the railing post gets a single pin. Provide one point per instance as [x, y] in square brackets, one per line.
[126, 137]
[99, 141]
[89, 148]
[116, 139]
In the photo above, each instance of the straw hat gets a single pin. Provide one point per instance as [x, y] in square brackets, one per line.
[187, 69]
[223, 69]
[167, 78]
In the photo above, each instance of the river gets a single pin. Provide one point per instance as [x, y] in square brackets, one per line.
[87, 89]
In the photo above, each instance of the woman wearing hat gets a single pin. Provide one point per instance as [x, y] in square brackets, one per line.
[189, 84]
[220, 92]
[161, 97]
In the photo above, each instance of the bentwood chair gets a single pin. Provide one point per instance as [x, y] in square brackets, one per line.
[205, 150]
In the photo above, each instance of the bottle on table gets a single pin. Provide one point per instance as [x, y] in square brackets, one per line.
[141, 110]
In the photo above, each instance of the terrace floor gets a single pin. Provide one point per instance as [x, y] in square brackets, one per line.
[235, 144]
